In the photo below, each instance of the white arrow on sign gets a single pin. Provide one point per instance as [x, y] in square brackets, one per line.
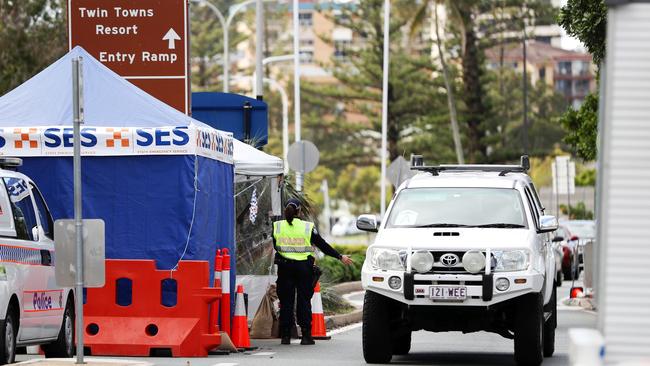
[171, 36]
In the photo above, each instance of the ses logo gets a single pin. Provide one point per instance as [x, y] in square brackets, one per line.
[215, 142]
[56, 137]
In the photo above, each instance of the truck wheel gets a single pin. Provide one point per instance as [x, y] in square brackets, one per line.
[550, 325]
[376, 329]
[529, 328]
[64, 345]
[8, 332]
[402, 345]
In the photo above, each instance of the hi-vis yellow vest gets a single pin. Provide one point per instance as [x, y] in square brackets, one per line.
[293, 241]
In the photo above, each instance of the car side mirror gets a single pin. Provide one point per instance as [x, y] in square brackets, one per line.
[558, 239]
[368, 223]
[547, 224]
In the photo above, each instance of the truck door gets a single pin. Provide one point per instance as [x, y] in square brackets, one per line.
[52, 319]
[25, 252]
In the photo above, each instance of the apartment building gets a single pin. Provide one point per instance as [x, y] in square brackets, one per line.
[571, 73]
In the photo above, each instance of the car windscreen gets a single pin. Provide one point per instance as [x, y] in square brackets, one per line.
[458, 207]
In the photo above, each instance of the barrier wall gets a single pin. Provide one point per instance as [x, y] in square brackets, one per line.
[142, 311]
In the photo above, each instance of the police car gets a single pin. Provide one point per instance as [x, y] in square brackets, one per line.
[35, 311]
[462, 248]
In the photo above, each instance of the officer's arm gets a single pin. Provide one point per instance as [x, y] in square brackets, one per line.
[321, 244]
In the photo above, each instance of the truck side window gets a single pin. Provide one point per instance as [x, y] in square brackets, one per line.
[533, 208]
[538, 202]
[22, 207]
[43, 212]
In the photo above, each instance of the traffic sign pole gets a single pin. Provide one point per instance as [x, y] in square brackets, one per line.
[77, 107]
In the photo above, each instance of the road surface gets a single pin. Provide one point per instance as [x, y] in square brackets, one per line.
[453, 349]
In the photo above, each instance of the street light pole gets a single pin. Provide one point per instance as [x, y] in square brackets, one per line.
[259, 48]
[225, 24]
[285, 102]
[384, 107]
[296, 82]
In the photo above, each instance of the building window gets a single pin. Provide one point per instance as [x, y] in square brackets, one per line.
[305, 19]
[581, 87]
[563, 87]
[542, 74]
[581, 68]
[306, 57]
[564, 67]
[341, 49]
[306, 42]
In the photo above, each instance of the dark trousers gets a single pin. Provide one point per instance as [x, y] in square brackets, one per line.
[295, 277]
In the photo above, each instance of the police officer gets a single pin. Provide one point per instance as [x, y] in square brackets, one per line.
[293, 239]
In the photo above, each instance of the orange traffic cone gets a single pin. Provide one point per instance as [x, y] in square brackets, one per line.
[318, 330]
[240, 322]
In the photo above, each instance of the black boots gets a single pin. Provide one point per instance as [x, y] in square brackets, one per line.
[306, 337]
[285, 335]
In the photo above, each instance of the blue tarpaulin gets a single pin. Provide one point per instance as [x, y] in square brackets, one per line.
[226, 112]
[146, 202]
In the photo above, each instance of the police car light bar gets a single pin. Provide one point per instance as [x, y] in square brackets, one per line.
[10, 163]
[417, 163]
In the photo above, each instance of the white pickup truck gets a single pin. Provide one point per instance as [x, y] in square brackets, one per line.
[34, 310]
[462, 248]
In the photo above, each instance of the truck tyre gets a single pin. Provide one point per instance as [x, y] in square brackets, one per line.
[402, 344]
[376, 329]
[8, 332]
[550, 325]
[529, 329]
[64, 345]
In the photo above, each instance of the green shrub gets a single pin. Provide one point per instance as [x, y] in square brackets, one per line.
[577, 212]
[350, 249]
[335, 272]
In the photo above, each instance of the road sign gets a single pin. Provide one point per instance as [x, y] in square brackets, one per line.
[303, 156]
[564, 176]
[144, 41]
[66, 253]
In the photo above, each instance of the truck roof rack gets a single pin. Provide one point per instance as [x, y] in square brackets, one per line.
[10, 163]
[417, 163]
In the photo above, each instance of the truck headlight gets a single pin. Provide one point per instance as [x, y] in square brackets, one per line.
[422, 261]
[386, 259]
[511, 260]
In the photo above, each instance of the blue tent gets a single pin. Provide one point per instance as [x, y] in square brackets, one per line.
[161, 181]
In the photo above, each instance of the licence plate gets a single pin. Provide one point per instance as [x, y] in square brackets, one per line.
[448, 292]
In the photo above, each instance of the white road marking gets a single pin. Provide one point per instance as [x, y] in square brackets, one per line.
[225, 364]
[263, 354]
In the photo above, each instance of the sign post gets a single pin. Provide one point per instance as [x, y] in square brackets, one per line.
[77, 110]
[144, 41]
